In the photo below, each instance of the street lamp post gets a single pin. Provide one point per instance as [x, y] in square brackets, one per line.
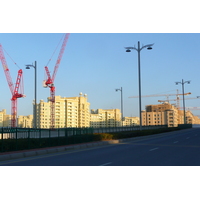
[121, 103]
[183, 82]
[35, 109]
[128, 49]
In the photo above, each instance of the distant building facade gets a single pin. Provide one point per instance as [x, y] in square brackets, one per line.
[25, 121]
[2, 117]
[105, 118]
[5, 120]
[131, 121]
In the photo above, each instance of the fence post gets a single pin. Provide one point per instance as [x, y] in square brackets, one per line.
[66, 135]
[2, 140]
[29, 138]
[49, 137]
[40, 137]
[16, 138]
[58, 136]
[74, 133]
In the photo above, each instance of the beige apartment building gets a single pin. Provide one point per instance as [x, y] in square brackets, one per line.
[69, 112]
[2, 117]
[131, 121]
[105, 118]
[191, 119]
[5, 120]
[25, 121]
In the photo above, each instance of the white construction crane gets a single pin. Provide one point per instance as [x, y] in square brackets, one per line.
[178, 100]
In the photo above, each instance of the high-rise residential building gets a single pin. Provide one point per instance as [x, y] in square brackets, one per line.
[69, 112]
[131, 121]
[105, 118]
[25, 121]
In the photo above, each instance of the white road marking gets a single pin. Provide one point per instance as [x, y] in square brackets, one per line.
[153, 149]
[105, 164]
[175, 142]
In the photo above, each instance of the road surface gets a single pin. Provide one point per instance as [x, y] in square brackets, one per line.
[178, 148]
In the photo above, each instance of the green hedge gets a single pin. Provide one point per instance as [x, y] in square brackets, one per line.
[129, 134]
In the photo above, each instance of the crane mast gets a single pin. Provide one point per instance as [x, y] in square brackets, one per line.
[50, 81]
[14, 90]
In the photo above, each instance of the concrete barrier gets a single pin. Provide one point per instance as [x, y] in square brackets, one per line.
[69, 148]
[89, 145]
[41, 152]
[76, 147]
[4, 157]
[83, 146]
[29, 153]
[51, 150]
[60, 149]
[16, 155]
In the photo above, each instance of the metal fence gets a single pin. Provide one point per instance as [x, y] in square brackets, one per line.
[13, 139]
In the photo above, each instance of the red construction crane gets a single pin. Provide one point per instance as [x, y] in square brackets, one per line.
[14, 90]
[50, 80]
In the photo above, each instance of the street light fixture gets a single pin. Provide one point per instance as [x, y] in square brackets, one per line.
[128, 49]
[121, 103]
[35, 109]
[183, 82]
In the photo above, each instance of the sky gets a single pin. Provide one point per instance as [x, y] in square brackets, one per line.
[96, 64]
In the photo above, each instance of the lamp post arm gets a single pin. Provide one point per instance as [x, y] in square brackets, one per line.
[131, 48]
[146, 46]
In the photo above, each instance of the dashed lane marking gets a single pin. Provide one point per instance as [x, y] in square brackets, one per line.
[106, 164]
[154, 149]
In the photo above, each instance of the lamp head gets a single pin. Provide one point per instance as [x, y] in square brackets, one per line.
[149, 48]
[27, 67]
[128, 50]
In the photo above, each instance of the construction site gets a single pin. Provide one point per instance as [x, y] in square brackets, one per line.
[17, 89]
[166, 113]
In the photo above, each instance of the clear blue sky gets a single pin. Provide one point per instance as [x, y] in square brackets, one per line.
[96, 64]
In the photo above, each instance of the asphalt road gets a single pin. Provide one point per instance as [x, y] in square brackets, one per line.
[179, 148]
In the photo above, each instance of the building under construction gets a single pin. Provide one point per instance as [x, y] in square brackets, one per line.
[166, 114]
